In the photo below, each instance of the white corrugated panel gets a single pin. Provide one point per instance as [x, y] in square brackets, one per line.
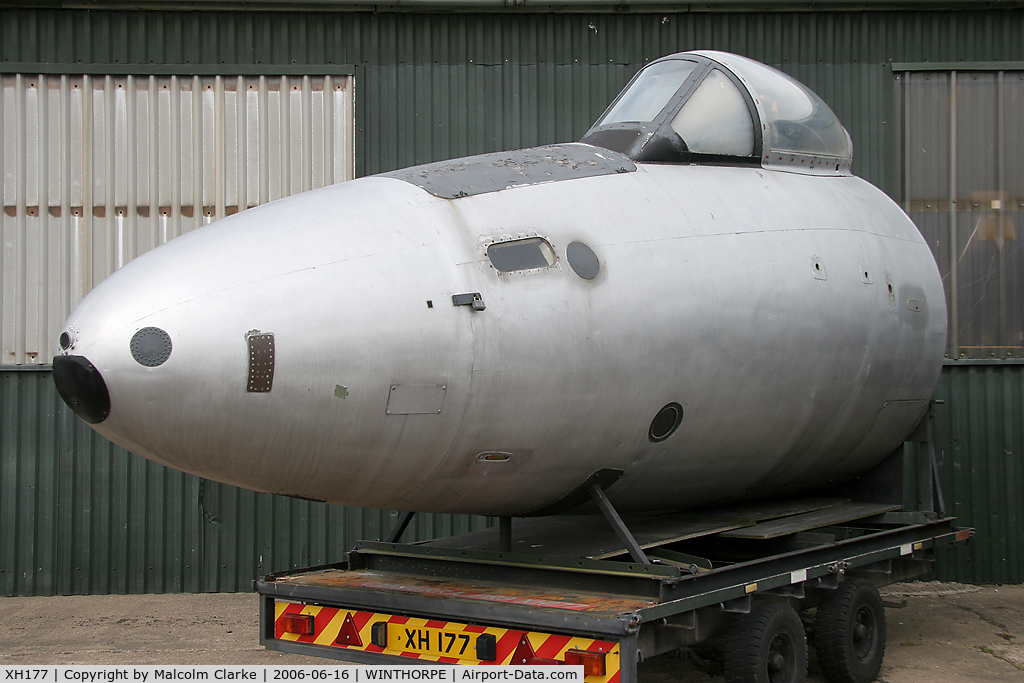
[98, 169]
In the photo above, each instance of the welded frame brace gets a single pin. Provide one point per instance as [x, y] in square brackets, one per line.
[618, 526]
[505, 527]
[504, 530]
[400, 526]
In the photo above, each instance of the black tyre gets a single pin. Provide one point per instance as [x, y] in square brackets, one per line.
[849, 633]
[767, 645]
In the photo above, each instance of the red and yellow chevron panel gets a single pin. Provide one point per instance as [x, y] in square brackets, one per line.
[440, 641]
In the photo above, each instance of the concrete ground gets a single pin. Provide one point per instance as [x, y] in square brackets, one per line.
[946, 633]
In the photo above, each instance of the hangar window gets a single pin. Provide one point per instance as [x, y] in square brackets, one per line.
[521, 255]
[963, 185]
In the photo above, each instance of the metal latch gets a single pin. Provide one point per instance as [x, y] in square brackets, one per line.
[469, 299]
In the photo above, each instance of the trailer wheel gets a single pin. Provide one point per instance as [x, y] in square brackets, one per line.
[767, 645]
[849, 633]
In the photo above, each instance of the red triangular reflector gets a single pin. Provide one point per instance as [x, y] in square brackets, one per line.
[349, 634]
[524, 652]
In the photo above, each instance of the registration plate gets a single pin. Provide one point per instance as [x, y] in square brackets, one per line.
[432, 641]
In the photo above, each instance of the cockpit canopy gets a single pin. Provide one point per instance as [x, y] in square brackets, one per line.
[720, 108]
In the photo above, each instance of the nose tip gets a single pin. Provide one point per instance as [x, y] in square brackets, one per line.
[82, 387]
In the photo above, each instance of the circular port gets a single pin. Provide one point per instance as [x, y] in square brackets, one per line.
[582, 260]
[151, 346]
[665, 423]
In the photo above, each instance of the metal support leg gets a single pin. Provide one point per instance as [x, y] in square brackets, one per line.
[933, 466]
[929, 487]
[940, 502]
[400, 527]
[635, 551]
[505, 534]
[925, 489]
[928, 469]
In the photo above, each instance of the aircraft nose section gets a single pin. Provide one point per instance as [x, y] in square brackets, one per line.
[82, 387]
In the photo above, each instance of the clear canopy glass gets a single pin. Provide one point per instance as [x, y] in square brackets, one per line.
[796, 120]
[650, 92]
[704, 106]
[715, 119]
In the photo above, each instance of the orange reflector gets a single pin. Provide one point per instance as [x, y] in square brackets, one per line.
[301, 624]
[592, 662]
[963, 535]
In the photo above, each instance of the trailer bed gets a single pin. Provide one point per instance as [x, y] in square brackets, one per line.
[568, 587]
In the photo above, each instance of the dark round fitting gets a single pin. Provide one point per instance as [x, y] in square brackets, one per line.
[82, 387]
[583, 260]
[665, 423]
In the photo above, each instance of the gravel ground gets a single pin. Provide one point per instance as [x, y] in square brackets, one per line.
[945, 633]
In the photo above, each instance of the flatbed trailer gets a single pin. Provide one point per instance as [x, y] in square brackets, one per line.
[568, 590]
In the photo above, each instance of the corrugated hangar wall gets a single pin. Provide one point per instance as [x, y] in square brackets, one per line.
[79, 515]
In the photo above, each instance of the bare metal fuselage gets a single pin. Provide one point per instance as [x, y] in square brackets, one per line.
[798, 320]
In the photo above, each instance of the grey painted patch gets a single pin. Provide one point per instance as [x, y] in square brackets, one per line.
[582, 260]
[501, 170]
[340, 391]
[917, 307]
[411, 399]
[151, 346]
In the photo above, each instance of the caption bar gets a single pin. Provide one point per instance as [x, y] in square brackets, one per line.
[306, 674]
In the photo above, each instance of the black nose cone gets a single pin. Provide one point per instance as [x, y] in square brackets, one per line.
[82, 387]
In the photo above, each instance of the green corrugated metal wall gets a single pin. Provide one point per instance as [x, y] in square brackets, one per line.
[979, 441]
[433, 86]
[78, 515]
